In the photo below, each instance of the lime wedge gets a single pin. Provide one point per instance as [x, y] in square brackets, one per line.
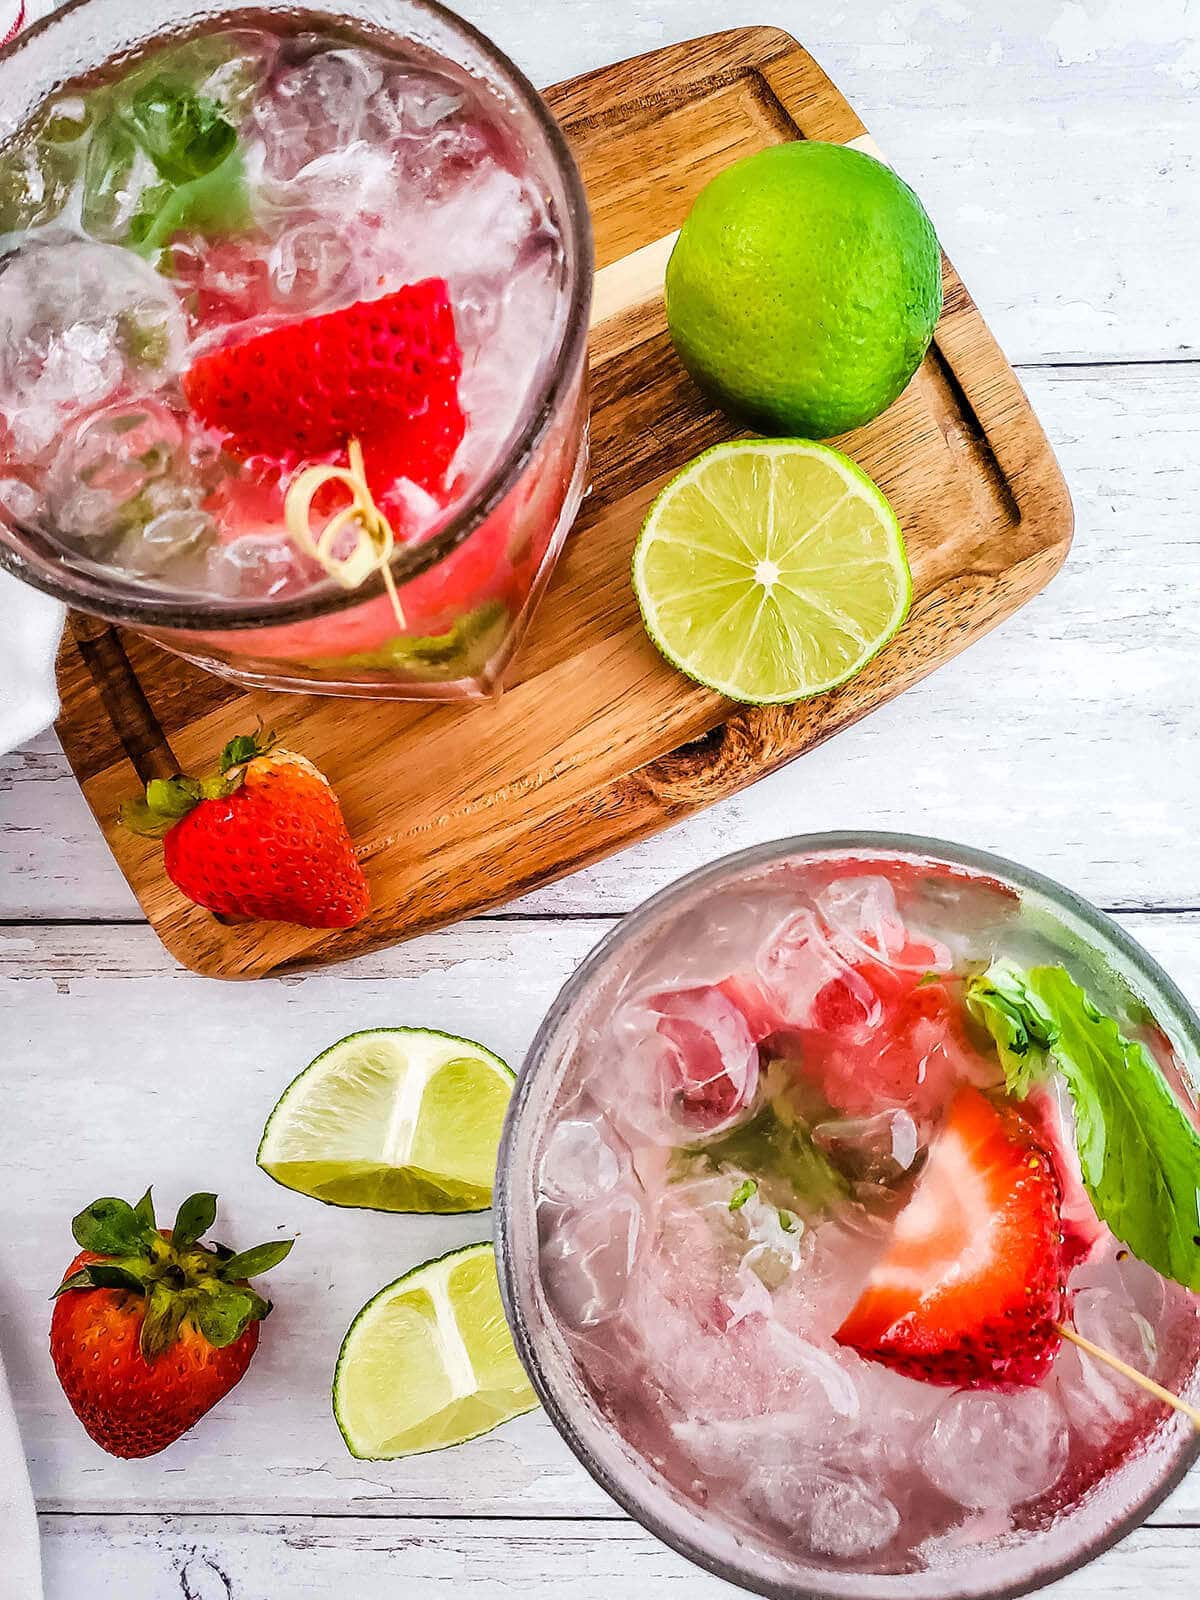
[771, 570]
[429, 1361]
[394, 1119]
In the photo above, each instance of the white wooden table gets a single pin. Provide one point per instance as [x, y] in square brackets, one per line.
[1056, 143]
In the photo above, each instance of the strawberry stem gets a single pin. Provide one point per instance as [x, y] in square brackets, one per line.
[1098, 1353]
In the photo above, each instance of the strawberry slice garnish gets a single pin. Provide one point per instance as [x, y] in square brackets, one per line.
[383, 371]
[970, 1287]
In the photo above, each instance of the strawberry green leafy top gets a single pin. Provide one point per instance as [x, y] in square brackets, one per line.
[181, 1280]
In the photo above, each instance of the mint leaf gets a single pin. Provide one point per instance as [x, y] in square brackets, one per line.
[185, 134]
[1138, 1150]
[214, 205]
[1000, 1000]
[781, 1153]
[744, 1191]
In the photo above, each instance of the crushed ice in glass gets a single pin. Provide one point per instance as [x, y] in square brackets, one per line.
[734, 1135]
[362, 172]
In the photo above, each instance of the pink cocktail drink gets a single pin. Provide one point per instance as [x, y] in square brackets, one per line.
[811, 1171]
[292, 323]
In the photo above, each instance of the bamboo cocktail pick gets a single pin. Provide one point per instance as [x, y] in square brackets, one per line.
[1148, 1384]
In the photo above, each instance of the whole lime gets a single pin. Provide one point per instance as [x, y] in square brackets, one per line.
[804, 288]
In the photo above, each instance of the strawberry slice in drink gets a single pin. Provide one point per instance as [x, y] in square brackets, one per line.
[970, 1287]
[384, 372]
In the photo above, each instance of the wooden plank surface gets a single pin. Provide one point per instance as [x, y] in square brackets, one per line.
[1057, 144]
[113, 1035]
[455, 810]
[243, 1558]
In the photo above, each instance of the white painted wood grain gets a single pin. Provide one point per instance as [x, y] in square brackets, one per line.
[147, 1558]
[122, 1070]
[1070, 738]
[1056, 143]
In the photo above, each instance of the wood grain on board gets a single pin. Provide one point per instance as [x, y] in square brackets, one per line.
[597, 741]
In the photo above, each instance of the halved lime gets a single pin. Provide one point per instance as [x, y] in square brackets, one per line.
[771, 569]
[393, 1119]
[429, 1362]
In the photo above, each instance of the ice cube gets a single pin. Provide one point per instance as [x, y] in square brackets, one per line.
[876, 1150]
[35, 182]
[313, 107]
[797, 963]
[587, 1261]
[1117, 1302]
[164, 542]
[255, 566]
[119, 181]
[687, 1066]
[864, 921]
[79, 320]
[862, 916]
[987, 1449]
[581, 1161]
[106, 461]
[313, 262]
[409, 104]
[20, 502]
[493, 321]
[842, 1516]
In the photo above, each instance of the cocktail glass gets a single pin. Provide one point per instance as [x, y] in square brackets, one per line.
[465, 592]
[661, 937]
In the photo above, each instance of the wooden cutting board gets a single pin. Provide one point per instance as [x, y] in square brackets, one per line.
[596, 741]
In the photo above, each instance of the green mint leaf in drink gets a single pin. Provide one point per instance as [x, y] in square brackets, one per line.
[214, 205]
[778, 1149]
[744, 1191]
[1138, 1151]
[1000, 1001]
[185, 134]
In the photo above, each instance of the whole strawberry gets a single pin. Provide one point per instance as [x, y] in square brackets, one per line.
[262, 840]
[150, 1328]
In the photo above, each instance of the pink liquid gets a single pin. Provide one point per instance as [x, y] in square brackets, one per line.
[359, 173]
[699, 1275]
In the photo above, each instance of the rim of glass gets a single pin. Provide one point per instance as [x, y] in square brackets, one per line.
[514, 1293]
[92, 592]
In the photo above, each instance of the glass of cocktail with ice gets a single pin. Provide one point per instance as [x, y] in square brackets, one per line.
[818, 1172]
[293, 312]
